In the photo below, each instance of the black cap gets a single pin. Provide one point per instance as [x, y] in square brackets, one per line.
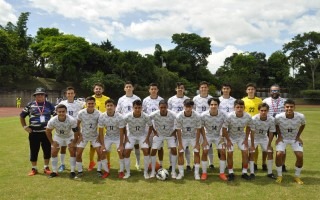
[39, 90]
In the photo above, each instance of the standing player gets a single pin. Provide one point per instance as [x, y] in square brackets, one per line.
[276, 105]
[18, 101]
[136, 133]
[73, 107]
[212, 121]
[226, 101]
[251, 103]
[163, 120]
[188, 125]
[63, 124]
[263, 127]
[125, 106]
[149, 105]
[289, 125]
[88, 120]
[175, 104]
[39, 112]
[114, 123]
[233, 131]
[98, 89]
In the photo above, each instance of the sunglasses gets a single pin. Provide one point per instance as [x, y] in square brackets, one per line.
[275, 91]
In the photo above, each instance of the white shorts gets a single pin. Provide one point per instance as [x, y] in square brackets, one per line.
[158, 142]
[296, 146]
[85, 141]
[136, 140]
[216, 141]
[263, 145]
[240, 144]
[187, 142]
[63, 142]
[108, 143]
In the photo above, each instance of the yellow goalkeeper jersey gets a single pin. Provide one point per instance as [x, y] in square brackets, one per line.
[100, 103]
[251, 105]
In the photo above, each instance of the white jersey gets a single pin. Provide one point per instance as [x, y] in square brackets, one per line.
[276, 106]
[62, 129]
[236, 125]
[112, 125]
[89, 123]
[136, 126]
[164, 125]
[150, 105]
[188, 125]
[201, 103]
[261, 128]
[213, 124]
[124, 105]
[74, 107]
[289, 128]
[176, 103]
[226, 105]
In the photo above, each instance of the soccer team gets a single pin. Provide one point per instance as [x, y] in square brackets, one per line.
[198, 124]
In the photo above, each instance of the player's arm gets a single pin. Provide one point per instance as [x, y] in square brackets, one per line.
[225, 134]
[76, 136]
[148, 135]
[180, 147]
[24, 125]
[122, 139]
[299, 133]
[270, 136]
[79, 138]
[248, 132]
[49, 135]
[279, 134]
[101, 138]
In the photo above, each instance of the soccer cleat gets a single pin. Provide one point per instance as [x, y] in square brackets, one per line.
[180, 176]
[245, 176]
[252, 176]
[196, 176]
[255, 167]
[99, 173]
[47, 170]
[204, 176]
[170, 168]
[284, 169]
[279, 179]
[91, 166]
[211, 166]
[188, 169]
[126, 176]
[146, 176]
[223, 177]
[61, 168]
[79, 175]
[264, 167]
[152, 174]
[231, 177]
[52, 175]
[105, 175]
[298, 180]
[138, 167]
[173, 175]
[272, 176]
[72, 175]
[121, 175]
[33, 172]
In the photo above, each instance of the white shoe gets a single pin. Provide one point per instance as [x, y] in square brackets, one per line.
[126, 176]
[152, 174]
[197, 176]
[180, 176]
[138, 167]
[146, 176]
[173, 175]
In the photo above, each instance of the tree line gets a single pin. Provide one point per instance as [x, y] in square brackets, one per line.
[65, 57]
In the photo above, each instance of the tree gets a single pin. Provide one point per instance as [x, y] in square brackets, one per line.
[278, 68]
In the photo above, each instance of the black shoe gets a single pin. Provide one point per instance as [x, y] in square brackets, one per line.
[193, 168]
[252, 176]
[231, 177]
[272, 176]
[79, 175]
[170, 169]
[188, 168]
[53, 174]
[99, 173]
[211, 166]
[264, 167]
[72, 174]
[255, 167]
[284, 169]
[245, 176]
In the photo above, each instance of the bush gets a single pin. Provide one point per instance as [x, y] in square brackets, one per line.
[310, 94]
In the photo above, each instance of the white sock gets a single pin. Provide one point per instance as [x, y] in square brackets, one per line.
[230, 171]
[181, 170]
[174, 163]
[187, 155]
[127, 164]
[279, 170]
[222, 166]
[54, 162]
[196, 168]
[210, 155]
[72, 163]
[269, 166]
[137, 153]
[104, 164]
[244, 170]
[146, 163]
[121, 163]
[62, 156]
[160, 162]
[153, 164]
[251, 166]
[34, 167]
[204, 166]
[79, 166]
[298, 172]
[99, 166]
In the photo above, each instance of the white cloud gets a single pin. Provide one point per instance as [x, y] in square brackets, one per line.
[7, 13]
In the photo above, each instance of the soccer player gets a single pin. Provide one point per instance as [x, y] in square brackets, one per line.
[263, 128]
[73, 107]
[149, 105]
[289, 125]
[175, 104]
[251, 103]
[226, 100]
[88, 120]
[125, 106]
[115, 125]
[39, 112]
[276, 105]
[233, 131]
[98, 89]
[136, 122]
[62, 124]
[163, 120]
[18, 101]
[188, 125]
[212, 121]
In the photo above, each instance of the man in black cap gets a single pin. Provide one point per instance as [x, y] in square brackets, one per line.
[39, 112]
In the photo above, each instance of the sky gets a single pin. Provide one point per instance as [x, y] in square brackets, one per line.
[233, 26]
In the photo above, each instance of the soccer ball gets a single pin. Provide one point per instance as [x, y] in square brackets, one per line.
[162, 174]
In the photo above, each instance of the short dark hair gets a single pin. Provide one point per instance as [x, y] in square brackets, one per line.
[61, 106]
[153, 85]
[179, 84]
[239, 102]
[70, 88]
[98, 84]
[137, 102]
[251, 85]
[261, 105]
[203, 83]
[290, 101]
[163, 102]
[128, 83]
[90, 98]
[226, 85]
[110, 101]
[188, 102]
[214, 99]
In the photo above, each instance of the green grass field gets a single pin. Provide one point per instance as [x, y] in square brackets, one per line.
[15, 184]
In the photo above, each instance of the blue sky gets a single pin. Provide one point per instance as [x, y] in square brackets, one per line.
[137, 25]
